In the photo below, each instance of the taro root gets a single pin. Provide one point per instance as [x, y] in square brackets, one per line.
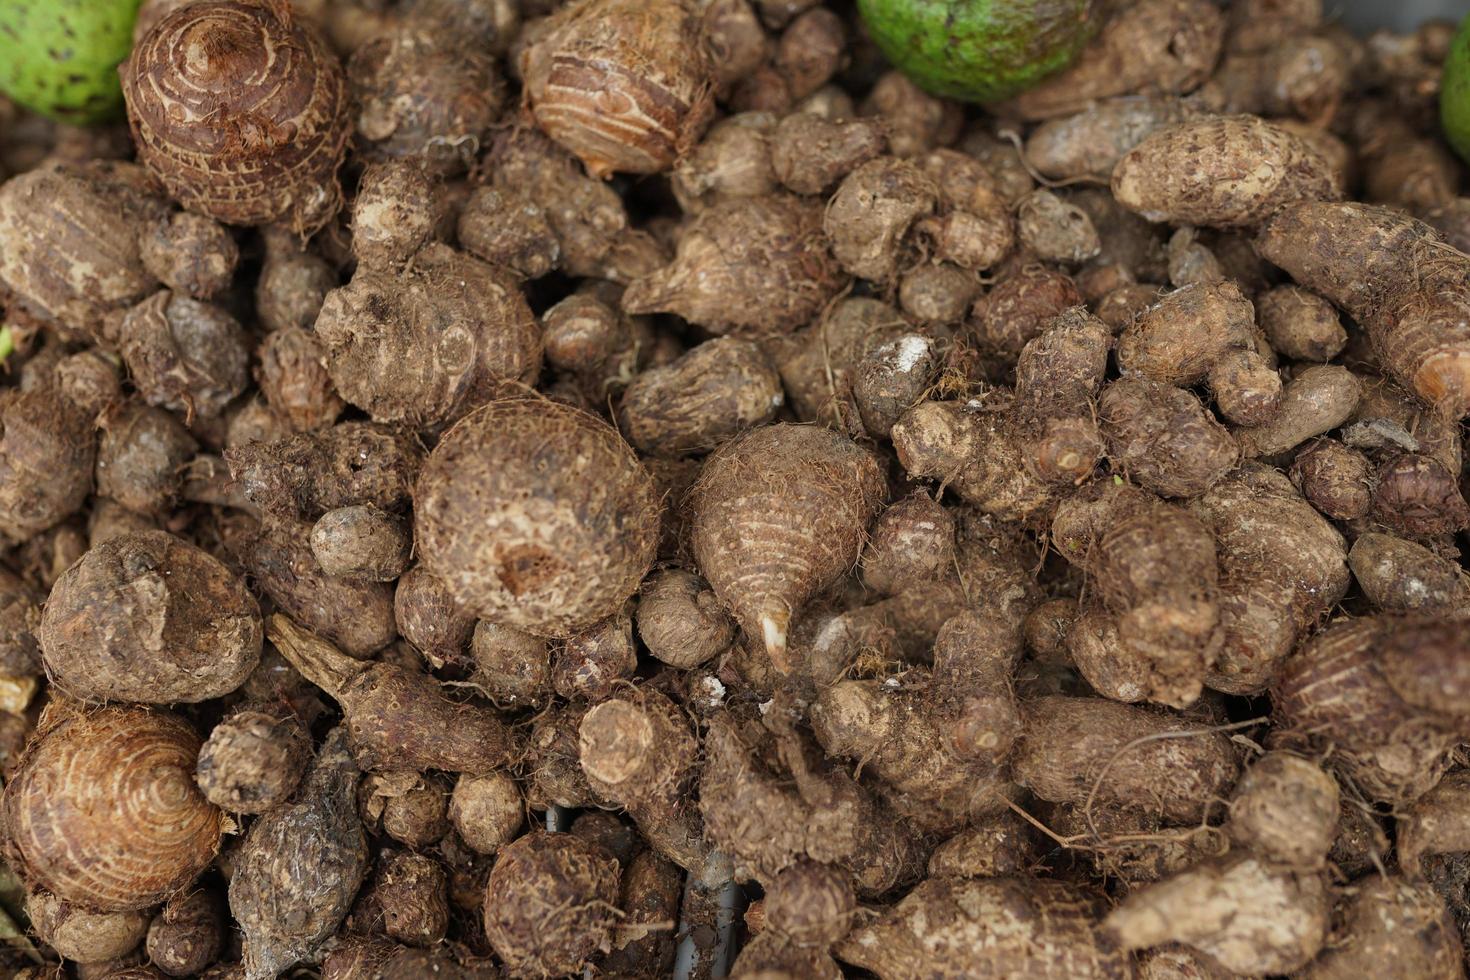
[71, 252]
[623, 84]
[1285, 809]
[425, 345]
[550, 903]
[397, 719]
[286, 914]
[190, 254]
[188, 934]
[428, 618]
[47, 448]
[149, 617]
[891, 378]
[103, 811]
[293, 377]
[141, 456]
[1393, 929]
[487, 811]
[752, 264]
[509, 230]
[872, 211]
[536, 515]
[393, 213]
[702, 400]
[778, 516]
[680, 621]
[913, 541]
[277, 102]
[592, 663]
[1020, 307]
[81, 935]
[1401, 576]
[361, 542]
[647, 936]
[292, 283]
[1163, 438]
[409, 807]
[733, 160]
[184, 355]
[810, 154]
[406, 899]
[512, 667]
[253, 759]
[1338, 480]
[1090, 143]
[425, 93]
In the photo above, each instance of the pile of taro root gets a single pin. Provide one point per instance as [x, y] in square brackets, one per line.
[636, 488]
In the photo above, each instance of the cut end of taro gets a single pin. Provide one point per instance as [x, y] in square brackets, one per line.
[1444, 380]
[774, 623]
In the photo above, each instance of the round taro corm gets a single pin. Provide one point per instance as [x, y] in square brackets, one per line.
[536, 515]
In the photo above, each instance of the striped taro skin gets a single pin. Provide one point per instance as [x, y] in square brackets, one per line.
[779, 515]
[623, 84]
[104, 812]
[241, 116]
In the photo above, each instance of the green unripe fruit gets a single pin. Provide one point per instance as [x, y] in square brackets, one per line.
[1454, 93]
[60, 57]
[979, 50]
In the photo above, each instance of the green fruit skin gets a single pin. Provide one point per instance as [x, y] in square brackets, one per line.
[1454, 93]
[60, 57]
[979, 50]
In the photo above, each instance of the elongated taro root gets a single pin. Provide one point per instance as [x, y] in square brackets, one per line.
[989, 928]
[103, 810]
[768, 815]
[1090, 143]
[1282, 569]
[149, 617]
[1317, 400]
[702, 400]
[778, 516]
[1401, 576]
[637, 750]
[286, 914]
[936, 746]
[1335, 690]
[1163, 438]
[83, 936]
[550, 903]
[536, 515]
[1395, 277]
[1246, 914]
[1155, 573]
[253, 759]
[397, 719]
[757, 264]
[188, 934]
[277, 103]
[426, 344]
[1396, 930]
[1220, 171]
[624, 84]
[1081, 750]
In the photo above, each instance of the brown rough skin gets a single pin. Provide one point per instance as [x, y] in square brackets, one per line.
[767, 818]
[1282, 569]
[253, 760]
[871, 212]
[623, 84]
[810, 154]
[938, 745]
[47, 449]
[411, 808]
[1285, 809]
[1333, 690]
[82, 936]
[1091, 142]
[393, 214]
[536, 515]
[406, 899]
[286, 915]
[916, 121]
[140, 456]
[1417, 495]
[1434, 824]
[1076, 750]
[733, 160]
[778, 516]
[72, 249]
[292, 283]
[397, 719]
[680, 620]
[1178, 339]
[428, 618]
[550, 903]
[509, 230]
[1155, 46]
[487, 811]
[1396, 278]
[703, 399]
[637, 751]
[1246, 914]
[1300, 325]
[989, 929]
[1305, 77]
[1020, 307]
[997, 847]
[594, 662]
[1400, 576]
[148, 617]
[361, 542]
[1153, 567]
[188, 934]
[752, 264]
[913, 541]
[1316, 400]
[817, 365]
[646, 939]
[1335, 478]
[103, 810]
[423, 93]
[427, 344]
[190, 254]
[280, 104]
[184, 355]
[511, 666]
[937, 294]
[1220, 171]
[1056, 230]
[1163, 438]
[1395, 930]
